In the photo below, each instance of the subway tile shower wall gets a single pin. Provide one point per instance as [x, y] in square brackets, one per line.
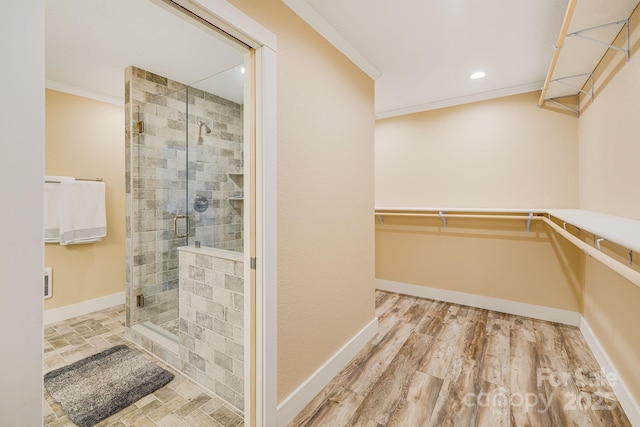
[164, 177]
[212, 323]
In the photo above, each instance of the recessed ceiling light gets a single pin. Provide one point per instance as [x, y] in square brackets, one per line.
[477, 75]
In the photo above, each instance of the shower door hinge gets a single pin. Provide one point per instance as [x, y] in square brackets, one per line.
[140, 126]
[252, 263]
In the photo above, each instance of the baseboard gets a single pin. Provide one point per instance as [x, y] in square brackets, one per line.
[566, 317]
[296, 401]
[625, 398]
[85, 307]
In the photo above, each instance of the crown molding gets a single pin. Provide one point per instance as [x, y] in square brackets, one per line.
[467, 99]
[305, 11]
[85, 93]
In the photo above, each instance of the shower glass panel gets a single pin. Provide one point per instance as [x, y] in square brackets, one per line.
[215, 164]
[160, 206]
[188, 183]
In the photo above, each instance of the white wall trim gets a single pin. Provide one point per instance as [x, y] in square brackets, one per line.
[267, 239]
[68, 311]
[305, 11]
[296, 401]
[483, 96]
[235, 22]
[566, 317]
[625, 398]
[85, 93]
[229, 18]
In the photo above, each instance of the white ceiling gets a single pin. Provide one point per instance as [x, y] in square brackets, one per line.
[89, 43]
[421, 53]
[425, 51]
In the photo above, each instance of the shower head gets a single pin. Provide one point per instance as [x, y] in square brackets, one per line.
[206, 128]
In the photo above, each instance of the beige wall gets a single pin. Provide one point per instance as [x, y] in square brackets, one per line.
[503, 153]
[325, 195]
[608, 131]
[609, 176]
[492, 258]
[611, 310]
[84, 138]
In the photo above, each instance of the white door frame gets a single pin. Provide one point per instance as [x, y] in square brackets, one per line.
[236, 23]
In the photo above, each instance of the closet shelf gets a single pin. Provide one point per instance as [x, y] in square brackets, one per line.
[620, 231]
[624, 233]
[589, 30]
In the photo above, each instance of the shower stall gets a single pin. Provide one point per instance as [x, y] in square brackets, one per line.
[185, 225]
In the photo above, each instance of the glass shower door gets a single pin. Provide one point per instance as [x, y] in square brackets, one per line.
[187, 174]
[160, 222]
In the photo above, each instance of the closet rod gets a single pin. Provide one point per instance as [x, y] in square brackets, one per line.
[571, 7]
[628, 273]
[446, 215]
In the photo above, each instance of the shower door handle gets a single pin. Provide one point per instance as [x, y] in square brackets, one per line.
[175, 226]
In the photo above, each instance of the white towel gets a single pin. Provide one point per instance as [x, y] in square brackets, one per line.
[83, 217]
[52, 200]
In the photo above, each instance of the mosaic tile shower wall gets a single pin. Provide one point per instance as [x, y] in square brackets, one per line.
[168, 177]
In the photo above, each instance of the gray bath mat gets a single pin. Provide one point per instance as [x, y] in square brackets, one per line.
[98, 386]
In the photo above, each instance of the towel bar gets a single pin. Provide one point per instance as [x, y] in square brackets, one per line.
[98, 179]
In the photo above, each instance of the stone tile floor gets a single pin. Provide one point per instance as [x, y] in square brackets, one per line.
[180, 403]
[171, 326]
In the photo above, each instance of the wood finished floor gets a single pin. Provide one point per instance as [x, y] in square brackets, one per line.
[439, 364]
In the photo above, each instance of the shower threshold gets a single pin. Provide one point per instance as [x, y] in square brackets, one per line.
[158, 335]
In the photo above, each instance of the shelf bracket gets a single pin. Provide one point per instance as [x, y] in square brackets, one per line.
[625, 22]
[564, 225]
[590, 93]
[566, 107]
[381, 219]
[444, 219]
[529, 222]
